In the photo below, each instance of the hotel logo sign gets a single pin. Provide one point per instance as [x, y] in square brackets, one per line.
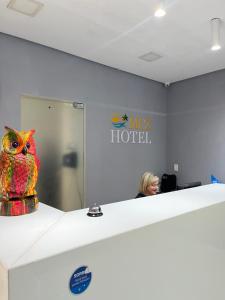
[133, 129]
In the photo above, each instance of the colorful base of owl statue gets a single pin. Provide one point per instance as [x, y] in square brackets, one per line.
[18, 207]
[19, 167]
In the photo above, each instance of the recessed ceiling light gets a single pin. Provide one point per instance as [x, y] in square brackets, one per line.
[215, 27]
[150, 57]
[160, 12]
[26, 7]
[215, 47]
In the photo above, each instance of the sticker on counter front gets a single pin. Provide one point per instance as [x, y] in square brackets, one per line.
[80, 280]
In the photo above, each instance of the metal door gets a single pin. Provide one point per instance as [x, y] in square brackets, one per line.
[60, 144]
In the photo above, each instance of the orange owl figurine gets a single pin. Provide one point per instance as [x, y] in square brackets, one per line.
[19, 167]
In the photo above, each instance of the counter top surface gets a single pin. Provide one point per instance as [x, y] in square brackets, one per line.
[49, 232]
[19, 234]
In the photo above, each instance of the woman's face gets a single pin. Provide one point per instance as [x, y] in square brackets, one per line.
[152, 189]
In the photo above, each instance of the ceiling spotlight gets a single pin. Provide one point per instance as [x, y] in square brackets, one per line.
[215, 47]
[160, 11]
[215, 27]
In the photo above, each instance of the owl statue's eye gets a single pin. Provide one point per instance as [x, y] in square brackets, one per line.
[28, 145]
[15, 144]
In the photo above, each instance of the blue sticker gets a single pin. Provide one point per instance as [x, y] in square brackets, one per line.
[80, 280]
[214, 179]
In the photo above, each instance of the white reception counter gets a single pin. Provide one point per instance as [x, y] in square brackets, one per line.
[167, 247]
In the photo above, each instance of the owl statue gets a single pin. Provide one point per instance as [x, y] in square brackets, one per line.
[19, 166]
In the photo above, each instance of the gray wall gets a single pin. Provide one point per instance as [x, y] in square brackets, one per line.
[196, 127]
[112, 170]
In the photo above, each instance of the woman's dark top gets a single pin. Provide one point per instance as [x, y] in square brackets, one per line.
[139, 195]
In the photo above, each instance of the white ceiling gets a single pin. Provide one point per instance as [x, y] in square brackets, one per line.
[116, 32]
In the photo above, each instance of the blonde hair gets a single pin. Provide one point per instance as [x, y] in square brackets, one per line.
[146, 179]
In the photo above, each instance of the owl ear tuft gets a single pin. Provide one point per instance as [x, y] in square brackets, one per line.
[32, 131]
[10, 129]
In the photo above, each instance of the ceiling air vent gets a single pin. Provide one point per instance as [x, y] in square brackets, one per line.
[150, 56]
[26, 7]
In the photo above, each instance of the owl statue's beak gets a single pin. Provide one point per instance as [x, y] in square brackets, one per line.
[24, 151]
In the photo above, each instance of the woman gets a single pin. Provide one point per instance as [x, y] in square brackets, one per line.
[149, 185]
